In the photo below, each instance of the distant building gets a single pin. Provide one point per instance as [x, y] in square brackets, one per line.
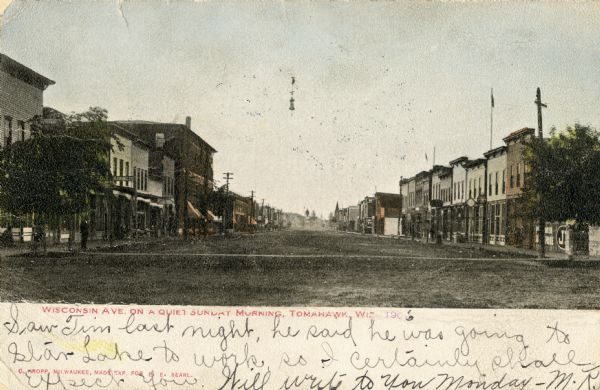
[366, 215]
[353, 218]
[240, 214]
[416, 210]
[407, 221]
[476, 199]
[387, 213]
[441, 201]
[459, 198]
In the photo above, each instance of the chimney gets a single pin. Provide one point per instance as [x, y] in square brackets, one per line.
[188, 121]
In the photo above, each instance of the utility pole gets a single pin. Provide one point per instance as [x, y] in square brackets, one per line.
[252, 217]
[227, 176]
[262, 214]
[492, 118]
[400, 205]
[185, 203]
[542, 222]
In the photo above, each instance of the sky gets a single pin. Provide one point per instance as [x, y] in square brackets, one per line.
[379, 84]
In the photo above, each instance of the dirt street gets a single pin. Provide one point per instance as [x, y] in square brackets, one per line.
[301, 268]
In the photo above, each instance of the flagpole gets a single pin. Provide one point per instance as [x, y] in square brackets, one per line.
[492, 119]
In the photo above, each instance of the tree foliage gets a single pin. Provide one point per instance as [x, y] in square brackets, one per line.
[54, 172]
[563, 182]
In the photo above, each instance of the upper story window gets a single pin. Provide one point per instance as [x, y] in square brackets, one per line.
[21, 126]
[496, 184]
[8, 134]
[512, 177]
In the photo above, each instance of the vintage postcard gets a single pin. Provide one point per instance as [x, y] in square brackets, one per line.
[299, 195]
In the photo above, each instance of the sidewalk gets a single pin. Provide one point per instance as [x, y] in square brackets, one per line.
[22, 248]
[550, 255]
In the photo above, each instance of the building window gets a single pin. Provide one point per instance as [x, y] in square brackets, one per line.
[504, 181]
[498, 219]
[491, 220]
[22, 128]
[512, 177]
[114, 166]
[121, 171]
[518, 175]
[496, 184]
[8, 126]
[490, 184]
[127, 172]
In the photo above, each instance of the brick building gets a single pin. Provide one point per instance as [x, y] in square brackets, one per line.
[441, 201]
[476, 199]
[193, 158]
[520, 230]
[387, 212]
[459, 198]
[496, 195]
[366, 215]
[416, 216]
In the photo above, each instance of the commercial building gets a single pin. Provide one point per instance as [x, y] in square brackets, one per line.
[520, 229]
[441, 201]
[193, 158]
[459, 198]
[387, 213]
[476, 199]
[366, 217]
[496, 195]
[21, 99]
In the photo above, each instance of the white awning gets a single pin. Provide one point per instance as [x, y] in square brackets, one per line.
[119, 193]
[194, 211]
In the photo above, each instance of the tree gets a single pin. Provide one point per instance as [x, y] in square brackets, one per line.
[563, 182]
[56, 172]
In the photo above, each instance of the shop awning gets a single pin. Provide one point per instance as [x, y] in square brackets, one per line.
[193, 211]
[211, 216]
[122, 194]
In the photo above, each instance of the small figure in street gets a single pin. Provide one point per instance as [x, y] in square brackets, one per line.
[39, 238]
[84, 229]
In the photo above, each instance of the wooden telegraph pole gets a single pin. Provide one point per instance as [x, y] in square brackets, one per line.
[542, 222]
[252, 211]
[227, 176]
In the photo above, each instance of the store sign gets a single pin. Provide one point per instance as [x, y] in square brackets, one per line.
[561, 236]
